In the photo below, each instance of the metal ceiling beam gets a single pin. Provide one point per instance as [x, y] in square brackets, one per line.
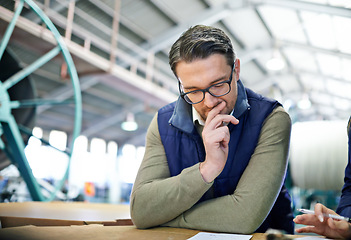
[309, 48]
[115, 98]
[320, 75]
[254, 53]
[66, 92]
[330, 94]
[138, 140]
[145, 91]
[114, 118]
[56, 6]
[167, 11]
[207, 17]
[130, 25]
[307, 6]
[62, 121]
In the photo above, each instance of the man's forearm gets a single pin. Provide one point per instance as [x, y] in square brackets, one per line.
[160, 201]
[220, 215]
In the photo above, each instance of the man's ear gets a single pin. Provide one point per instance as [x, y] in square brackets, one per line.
[237, 68]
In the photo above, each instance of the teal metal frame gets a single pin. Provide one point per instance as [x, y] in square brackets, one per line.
[8, 126]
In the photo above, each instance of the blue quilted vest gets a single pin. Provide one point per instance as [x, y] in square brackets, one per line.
[184, 148]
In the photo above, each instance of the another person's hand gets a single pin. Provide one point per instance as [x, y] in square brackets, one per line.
[317, 223]
[216, 138]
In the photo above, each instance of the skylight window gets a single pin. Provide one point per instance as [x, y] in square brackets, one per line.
[290, 29]
[319, 29]
[336, 3]
[330, 65]
[342, 28]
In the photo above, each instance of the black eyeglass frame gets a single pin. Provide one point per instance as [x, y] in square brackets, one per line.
[229, 81]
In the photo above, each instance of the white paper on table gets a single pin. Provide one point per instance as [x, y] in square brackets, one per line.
[312, 238]
[219, 236]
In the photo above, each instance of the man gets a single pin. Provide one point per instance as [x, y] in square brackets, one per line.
[327, 226]
[216, 158]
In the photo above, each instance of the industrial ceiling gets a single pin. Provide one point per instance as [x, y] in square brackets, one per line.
[120, 50]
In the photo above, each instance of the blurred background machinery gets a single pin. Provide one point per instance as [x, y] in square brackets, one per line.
[19, 103]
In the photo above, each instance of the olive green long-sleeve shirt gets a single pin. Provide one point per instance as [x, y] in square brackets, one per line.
[159, 199]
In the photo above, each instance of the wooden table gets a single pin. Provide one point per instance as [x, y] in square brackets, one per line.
[94, 232]
[77, 220]
[62, 213]
[66, 210]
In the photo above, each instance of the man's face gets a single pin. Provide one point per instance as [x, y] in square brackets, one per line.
[203, 73]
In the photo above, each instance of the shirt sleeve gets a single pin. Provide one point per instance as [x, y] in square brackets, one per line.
[241, 212]
[156, 196]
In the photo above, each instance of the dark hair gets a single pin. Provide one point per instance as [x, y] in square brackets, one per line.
[199, 42]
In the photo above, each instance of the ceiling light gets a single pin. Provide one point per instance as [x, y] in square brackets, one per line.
[304, 103]
[276, 63]
[130, 124]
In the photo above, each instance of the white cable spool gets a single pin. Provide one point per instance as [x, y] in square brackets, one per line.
[318, 154]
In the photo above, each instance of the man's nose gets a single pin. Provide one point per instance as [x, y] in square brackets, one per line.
[209, 100]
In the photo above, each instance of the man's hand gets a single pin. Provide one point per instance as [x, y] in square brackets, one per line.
[318, 224]
[216, 138]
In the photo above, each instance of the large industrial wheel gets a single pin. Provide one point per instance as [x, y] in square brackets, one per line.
[19, 104]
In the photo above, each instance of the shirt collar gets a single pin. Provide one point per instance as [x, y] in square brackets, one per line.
[198, 118]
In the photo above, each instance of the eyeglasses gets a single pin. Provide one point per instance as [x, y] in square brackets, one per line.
[217, 90]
